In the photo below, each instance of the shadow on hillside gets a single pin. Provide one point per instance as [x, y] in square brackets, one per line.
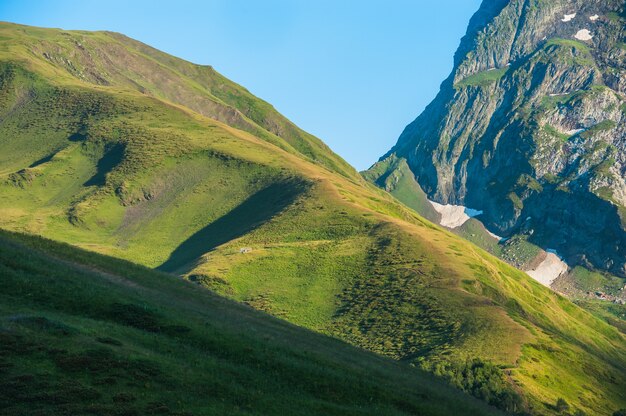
[43, 160]
[250, 214]
[581, 227]
[111, 158]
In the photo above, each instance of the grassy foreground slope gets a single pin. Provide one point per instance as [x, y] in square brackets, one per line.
[139, 174]
[82, 333]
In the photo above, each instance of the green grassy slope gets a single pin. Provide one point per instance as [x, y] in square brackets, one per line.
[395, 177]
[81, 333]
[140, 177]
[107, 59]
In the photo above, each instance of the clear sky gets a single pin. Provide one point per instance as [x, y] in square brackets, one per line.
[354, 73]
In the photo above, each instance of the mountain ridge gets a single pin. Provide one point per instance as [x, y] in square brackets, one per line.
[204, 91]
[529, 125]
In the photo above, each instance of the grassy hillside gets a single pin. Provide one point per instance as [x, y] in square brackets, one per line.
[131, 173]
[111, 59]
[81, 333]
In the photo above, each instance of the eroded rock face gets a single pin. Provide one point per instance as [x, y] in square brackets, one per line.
[532, 123]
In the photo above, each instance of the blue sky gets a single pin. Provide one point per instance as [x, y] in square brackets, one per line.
[353, 73]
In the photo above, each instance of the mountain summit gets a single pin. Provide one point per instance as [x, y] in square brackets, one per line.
[529, 130]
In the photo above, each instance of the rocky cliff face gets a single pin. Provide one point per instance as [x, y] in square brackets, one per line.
[530, 127]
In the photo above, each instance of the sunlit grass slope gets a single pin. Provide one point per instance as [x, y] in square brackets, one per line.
[113, 60]
[140, 174]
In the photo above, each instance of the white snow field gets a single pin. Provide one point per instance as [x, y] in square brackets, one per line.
[549, 269]
[568, 17]
[583, 34]
[453, 216]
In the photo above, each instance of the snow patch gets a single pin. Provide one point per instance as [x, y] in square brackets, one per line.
[568, 17]
[565, 93]
[594, 17]
[549, 269]
[453, 216]
[583, 34]
[497, 237]
[574, 132]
